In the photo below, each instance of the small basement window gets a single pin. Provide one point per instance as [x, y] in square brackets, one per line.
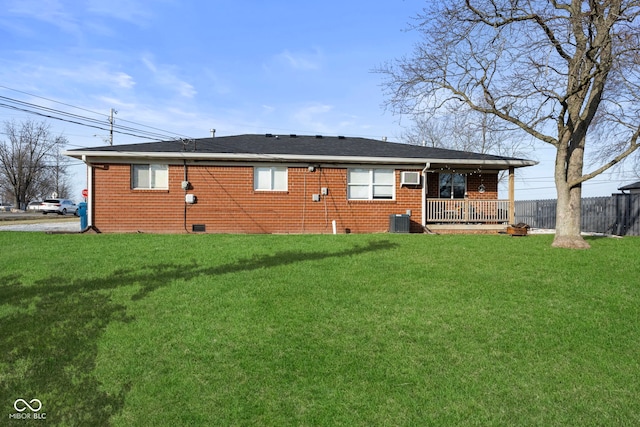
[150, 177]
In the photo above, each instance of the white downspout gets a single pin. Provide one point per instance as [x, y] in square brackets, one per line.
[90, 190]
[424, 194]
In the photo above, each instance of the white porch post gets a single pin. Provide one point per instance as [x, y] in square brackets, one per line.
[512, 196]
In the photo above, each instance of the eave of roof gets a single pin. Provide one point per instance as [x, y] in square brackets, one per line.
[294, 149]
[103, 156]
[634, 186]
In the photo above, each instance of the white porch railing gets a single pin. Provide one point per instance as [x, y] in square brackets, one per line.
[467, 211]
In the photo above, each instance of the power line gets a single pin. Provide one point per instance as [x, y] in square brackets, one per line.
[87, 110]
[50, 116]
[77, 119]
[165, 133]
[52, 100]
[84, 120]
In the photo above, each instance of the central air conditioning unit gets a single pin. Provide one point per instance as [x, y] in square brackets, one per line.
[399, 223]
[410, 178]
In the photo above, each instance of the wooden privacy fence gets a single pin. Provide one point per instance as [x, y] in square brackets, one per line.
[618, 214]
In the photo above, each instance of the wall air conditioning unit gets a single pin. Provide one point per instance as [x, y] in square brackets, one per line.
[410, 178]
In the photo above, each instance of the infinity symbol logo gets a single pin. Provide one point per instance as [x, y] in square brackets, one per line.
[35, 408]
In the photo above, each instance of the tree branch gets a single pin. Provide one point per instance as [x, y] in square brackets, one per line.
[633, 146]
[499, 22]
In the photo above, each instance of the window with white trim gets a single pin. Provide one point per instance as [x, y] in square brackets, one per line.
[370, 184]
[273, 178]
[150, 177]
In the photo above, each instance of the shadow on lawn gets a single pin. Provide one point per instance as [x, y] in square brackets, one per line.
[49, 346]
[50, 332]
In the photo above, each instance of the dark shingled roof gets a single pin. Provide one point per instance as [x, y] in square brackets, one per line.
[304, 145]
[634, 186]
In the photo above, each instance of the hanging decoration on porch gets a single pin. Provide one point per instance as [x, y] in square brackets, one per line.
[481, 187]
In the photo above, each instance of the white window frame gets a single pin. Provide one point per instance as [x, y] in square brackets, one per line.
[369, 184]
[157, 176]
[270, 178]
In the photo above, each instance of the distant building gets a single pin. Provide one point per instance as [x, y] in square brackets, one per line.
[631, 188]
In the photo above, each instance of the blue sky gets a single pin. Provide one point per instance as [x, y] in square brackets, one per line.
[185, 66]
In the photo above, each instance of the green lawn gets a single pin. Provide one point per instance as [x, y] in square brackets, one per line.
[345, 330]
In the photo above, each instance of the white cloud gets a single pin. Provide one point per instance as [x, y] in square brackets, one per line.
[94, 74]
[186, 90]
[311, 118]
[97, 75]
[124, 10]
[95, 16]
[165, 75]
[301, 61]
[50, 11]
[149, 64]
[124, 80]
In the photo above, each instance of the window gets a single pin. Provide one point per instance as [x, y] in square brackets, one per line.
[370, 184]
[154, 176]
[270, 178]
[452, 185]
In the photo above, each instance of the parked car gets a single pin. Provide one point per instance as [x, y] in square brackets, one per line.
[34, 206]
[59, 206]
[5, 207]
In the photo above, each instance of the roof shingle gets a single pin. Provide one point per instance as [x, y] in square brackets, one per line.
[304, 145]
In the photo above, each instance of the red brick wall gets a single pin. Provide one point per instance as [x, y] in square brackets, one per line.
[227, 203]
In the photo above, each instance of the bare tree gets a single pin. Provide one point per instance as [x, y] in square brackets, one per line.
[465, 129]
[55, 177]
[28, 165]
[468, 130]
[566, 72]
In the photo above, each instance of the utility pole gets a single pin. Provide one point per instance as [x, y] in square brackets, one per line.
[111, 125]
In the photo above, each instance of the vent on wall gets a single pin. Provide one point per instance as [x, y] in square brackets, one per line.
[198, 228]
[410, 178]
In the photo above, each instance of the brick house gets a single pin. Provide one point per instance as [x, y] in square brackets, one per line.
[292, 184]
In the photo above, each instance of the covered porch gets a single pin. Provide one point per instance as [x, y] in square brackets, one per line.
[476, 208]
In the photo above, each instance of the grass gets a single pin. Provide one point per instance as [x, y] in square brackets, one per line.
[353, 330]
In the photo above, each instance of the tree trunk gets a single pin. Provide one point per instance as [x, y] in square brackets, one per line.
[568, 220]
[568, 210]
